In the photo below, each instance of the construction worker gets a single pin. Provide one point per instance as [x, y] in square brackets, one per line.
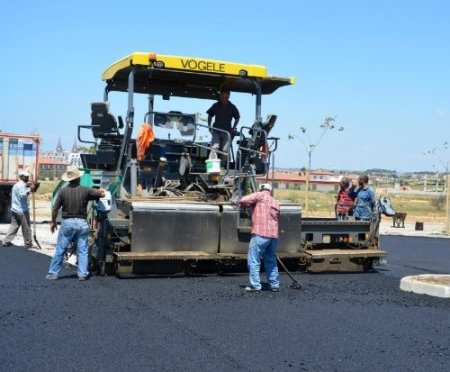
[364, 198]
[344, 202]
[223, 112]
[20, 211]
[73, 199]
[264, 239]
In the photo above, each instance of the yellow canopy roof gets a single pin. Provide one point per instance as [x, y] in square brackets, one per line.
[188, 77]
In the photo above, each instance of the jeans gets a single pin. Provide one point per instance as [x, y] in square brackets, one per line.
[72, 230]
[267, 249]
[342, 217]
[224, 144]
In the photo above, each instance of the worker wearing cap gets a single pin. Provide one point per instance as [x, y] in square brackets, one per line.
[73, 200]
[20, 211]
[264, 239]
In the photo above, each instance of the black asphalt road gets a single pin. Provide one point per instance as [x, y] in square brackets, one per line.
[338, 322]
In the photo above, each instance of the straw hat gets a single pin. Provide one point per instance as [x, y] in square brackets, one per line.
[72, 173]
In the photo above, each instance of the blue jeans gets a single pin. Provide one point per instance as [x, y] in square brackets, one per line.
[267, 249]
[224, 144]
[72, 230]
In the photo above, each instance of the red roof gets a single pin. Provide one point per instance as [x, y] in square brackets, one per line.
[300, 177]
[51, 161]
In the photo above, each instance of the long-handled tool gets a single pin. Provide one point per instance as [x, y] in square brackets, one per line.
[69, 252]
[34, 220]
[295, 284]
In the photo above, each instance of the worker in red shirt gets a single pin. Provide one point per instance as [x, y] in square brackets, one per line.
[344, 202]
[264, 239]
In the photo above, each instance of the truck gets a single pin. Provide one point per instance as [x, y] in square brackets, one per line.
[17, 152]
[170, 206]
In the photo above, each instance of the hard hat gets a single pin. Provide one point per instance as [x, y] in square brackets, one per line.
[23, 173]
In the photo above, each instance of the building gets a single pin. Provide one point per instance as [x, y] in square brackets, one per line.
[51, 169]
[319, 180]
[52, 164]
[62, 156]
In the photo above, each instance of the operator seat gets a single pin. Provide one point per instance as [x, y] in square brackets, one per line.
[269, 123]
[104, 127]
[103, 123]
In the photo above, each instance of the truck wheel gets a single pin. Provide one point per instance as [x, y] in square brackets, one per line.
[368, 264]
[5, 212]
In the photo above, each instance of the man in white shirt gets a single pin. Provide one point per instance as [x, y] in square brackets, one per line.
[20, 211]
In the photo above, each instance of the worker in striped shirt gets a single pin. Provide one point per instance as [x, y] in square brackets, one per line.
[73, 200]
[264, 239]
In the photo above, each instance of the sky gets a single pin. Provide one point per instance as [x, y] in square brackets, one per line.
[380, 68]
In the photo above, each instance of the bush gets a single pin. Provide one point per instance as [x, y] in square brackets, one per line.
[438, 202]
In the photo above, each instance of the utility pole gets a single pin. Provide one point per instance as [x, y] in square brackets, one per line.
[447, 207]
[310, 146]
[434, 153]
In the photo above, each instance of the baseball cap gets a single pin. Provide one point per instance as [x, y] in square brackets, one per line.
[265, 186]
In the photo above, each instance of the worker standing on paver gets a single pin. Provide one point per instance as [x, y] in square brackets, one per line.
[223, 112]
[73, 199]
[364, 198]
[264, 239]
[20, 211]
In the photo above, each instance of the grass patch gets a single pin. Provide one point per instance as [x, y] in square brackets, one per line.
[322, 203]
[46, 189]
[425, 207]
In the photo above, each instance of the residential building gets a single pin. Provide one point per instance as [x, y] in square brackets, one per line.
[51, 169]
[319, 180]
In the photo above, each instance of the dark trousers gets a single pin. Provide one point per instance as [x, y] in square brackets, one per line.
[19, 220]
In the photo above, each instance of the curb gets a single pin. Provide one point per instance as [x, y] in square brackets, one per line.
[429, 284]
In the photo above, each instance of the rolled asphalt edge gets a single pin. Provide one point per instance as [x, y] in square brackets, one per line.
[432, 285]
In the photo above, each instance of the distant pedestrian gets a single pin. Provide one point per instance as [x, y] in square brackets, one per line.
[364, 199]
[73, 200]
[264, 239]
[20, 211]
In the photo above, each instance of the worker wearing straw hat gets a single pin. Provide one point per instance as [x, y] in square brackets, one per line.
[73, 200]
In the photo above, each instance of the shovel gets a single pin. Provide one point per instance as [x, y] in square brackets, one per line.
[295, 284]
[34, 220]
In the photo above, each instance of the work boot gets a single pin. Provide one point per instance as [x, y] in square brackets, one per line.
[251, 290]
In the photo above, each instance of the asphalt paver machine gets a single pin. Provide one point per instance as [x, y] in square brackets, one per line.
[168, 209]
[171, 207]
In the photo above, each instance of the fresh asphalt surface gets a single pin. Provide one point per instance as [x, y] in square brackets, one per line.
[338, 322]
